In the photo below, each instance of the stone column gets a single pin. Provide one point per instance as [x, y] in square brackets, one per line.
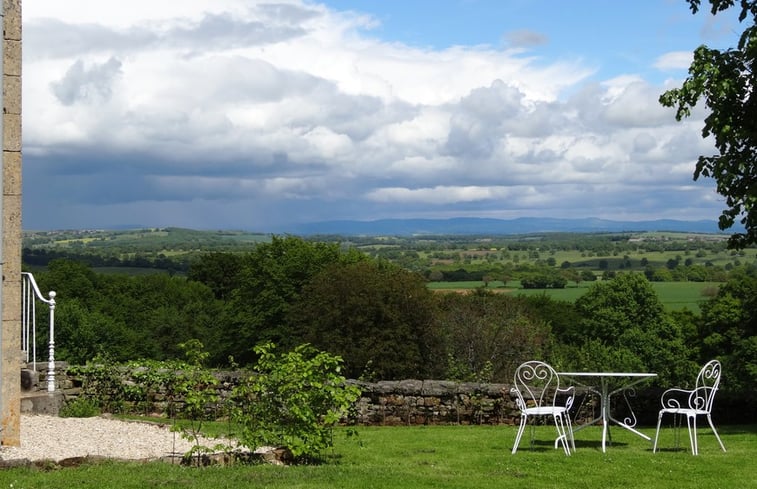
[10, 341]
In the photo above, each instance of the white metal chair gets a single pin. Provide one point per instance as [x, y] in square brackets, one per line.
[693, 403]
[537, 389]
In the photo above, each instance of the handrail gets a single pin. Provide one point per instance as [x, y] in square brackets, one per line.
[30, 291]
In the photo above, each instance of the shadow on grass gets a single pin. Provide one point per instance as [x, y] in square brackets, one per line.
[598, 444]
[549, 445]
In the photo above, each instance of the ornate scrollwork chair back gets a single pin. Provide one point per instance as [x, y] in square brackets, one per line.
[537, 392]
[693, 403]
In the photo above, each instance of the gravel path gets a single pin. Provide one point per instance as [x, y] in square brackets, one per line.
[54, 438]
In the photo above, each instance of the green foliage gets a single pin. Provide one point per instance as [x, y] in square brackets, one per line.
[371, 313]
[729, 331]
[543, 279]
[79, 407]
[217, 270]
[126, 317]
[488, 335]
[726, 81]
[102, 383]
[270, 281]
[293, 399]
[196, 387]
[382, 320]
[623, 325]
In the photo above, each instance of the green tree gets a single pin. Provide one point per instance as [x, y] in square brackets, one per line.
[219, 271]
[375, 315]
[726, 81]
[623, 325]
[128, 317]
[270, 281]
[293, 400]
[79, 334]
[728, 330]
[69, 279]
[487, 335]
[588, 276]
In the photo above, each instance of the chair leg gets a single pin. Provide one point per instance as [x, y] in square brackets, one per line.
[521, 428]
[570, 431]
[657, 433]
[709, 420]
[561, 435]
[692, 423]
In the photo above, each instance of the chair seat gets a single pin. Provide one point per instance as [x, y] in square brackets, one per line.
[544, 410]
[686, 411]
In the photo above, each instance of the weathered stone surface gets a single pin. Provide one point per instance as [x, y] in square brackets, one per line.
[15, 463]
[440, 388]
[410, 387]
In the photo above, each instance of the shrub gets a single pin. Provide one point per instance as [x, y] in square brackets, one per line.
[293, 400]
[79, 407]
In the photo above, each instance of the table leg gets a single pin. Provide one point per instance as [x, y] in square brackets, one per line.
[605, 407]
[630, 422]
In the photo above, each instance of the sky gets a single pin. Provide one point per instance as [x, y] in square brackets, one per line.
[260, 115]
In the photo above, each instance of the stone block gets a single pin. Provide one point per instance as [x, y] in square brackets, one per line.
[12, 229]
[12, 173]
[12, 132]
[410, 387]
[11, 315]
[440, 388]
[13, 59]
[12, 27]
[12, 94]
[42, 403]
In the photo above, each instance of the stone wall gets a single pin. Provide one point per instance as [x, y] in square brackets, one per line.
[383, 403]
[429, 402]
[414, 402]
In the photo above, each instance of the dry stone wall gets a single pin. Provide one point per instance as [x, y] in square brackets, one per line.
[429, 402]
[414, 402]
[390, 403]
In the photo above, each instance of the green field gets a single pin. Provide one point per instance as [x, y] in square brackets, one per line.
[454, 457]
[674, 296]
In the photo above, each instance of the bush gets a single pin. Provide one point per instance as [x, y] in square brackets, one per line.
[292, 400]
[79, 407]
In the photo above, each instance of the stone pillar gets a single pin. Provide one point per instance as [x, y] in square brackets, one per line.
[10, 341]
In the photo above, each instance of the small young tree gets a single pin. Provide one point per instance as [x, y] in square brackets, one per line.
[292, 400]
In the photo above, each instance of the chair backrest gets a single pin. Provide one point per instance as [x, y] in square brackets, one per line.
[707, 384]
[536, 384]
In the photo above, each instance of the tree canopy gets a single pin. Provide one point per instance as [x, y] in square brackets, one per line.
[725, 80]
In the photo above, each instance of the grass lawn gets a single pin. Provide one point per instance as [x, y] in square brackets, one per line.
[475, 457]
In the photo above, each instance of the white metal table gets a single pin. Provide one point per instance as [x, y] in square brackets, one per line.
[610, 383]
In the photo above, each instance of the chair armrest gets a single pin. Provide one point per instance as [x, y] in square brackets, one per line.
[520, 403]
[570, 393]
[676, 398]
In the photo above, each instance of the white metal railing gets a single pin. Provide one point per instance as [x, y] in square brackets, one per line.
[30, 294]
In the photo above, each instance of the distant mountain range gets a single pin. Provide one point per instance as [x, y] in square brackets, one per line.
[486, 226]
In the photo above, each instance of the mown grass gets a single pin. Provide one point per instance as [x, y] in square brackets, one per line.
[476, 457]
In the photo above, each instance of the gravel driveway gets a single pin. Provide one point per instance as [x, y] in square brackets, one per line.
[57, 439]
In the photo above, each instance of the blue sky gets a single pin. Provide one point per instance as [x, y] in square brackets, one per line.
[238, 114]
